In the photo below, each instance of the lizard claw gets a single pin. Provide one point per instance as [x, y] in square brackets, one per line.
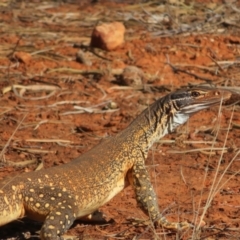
[176, 226]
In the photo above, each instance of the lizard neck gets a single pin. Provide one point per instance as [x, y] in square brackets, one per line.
[153, 123]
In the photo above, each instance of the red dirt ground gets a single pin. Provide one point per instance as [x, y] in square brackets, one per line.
[182, 166]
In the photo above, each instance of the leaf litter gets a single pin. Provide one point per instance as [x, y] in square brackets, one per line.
[45, 101]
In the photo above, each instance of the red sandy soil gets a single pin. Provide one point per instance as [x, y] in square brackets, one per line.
[182, 170]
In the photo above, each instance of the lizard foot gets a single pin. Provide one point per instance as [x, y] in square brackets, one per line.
[68, 237]
[163, 222]
[176, 226]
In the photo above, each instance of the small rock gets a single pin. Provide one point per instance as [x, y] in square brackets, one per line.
[22, 155]
[82, 57]
[132, 76]
[108, 36]
[202, 224]
[23, 57]
[112, 105]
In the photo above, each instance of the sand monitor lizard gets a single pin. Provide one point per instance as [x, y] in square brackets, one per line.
[59, 195]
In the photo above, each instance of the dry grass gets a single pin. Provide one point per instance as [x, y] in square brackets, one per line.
[44, 91]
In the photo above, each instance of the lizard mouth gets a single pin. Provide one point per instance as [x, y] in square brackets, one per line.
[220, 97]
[195, 107]
[227, 98]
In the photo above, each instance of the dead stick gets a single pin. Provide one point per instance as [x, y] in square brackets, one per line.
[175, 70]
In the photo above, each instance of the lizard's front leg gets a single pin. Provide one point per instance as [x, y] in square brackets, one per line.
[147, 199]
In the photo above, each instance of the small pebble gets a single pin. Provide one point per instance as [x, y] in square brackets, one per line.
[108, 36]
[112, 105]
[82, 57]
[132, 76]
[23, 57]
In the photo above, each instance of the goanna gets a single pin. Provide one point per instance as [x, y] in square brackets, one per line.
[59, 195]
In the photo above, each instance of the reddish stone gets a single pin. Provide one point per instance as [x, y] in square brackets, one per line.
[108, 36]
[23, 57]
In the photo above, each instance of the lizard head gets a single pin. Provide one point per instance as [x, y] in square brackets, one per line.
[174, 109]
[180, 105]
[193, 100]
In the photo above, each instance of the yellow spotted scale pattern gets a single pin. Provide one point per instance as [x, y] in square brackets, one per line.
[59, 195]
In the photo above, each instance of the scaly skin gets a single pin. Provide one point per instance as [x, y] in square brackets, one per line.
[59, 195]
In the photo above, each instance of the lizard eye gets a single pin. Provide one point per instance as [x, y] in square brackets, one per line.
[195, 94]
